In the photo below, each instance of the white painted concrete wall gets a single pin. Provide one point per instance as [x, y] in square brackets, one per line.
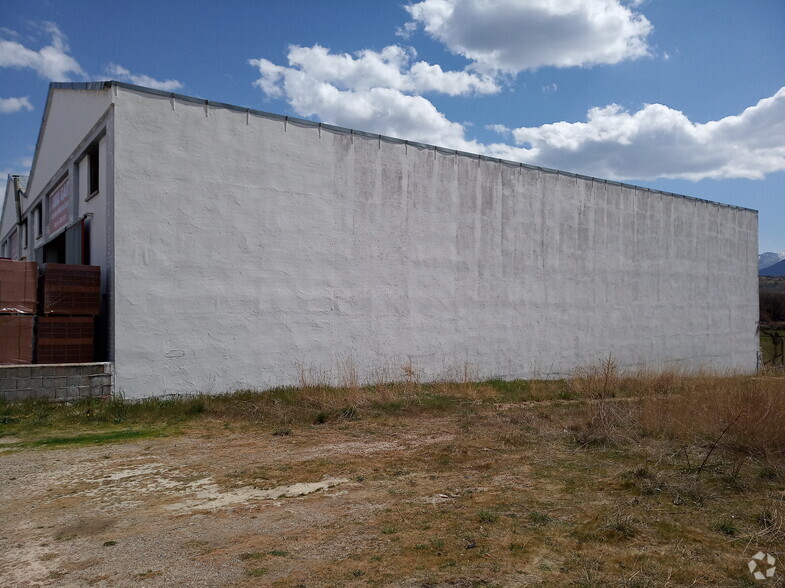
[71, 114]
[246, 246]
[97, 206]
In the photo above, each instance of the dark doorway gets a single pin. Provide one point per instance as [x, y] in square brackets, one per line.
[54, 251]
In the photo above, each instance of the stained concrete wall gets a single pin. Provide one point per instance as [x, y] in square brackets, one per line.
[249, 247]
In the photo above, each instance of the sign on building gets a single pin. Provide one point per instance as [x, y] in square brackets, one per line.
[59, 207]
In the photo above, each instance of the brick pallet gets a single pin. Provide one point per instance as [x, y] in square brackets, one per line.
[18, 287]
[67, 299]
[70, 290]
[70, 298]
[65, 339]
[18, 301]
[16, 338]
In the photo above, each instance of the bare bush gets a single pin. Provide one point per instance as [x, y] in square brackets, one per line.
[752, 409]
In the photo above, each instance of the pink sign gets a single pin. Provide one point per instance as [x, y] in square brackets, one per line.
[59, 208]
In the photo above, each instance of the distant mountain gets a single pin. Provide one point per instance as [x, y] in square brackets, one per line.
[769, 258]
[778, 269]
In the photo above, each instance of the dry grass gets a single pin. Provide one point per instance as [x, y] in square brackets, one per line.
[751, 409]
[610, 478]
[742, 412]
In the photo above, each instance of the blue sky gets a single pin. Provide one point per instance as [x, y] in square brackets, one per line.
[681, 96]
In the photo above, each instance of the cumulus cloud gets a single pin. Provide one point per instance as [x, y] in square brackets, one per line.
[123, 75]
[9, 105]
[389, 68]
[658, 142]
[512, 36]
[373, 91]
[406, 30]
[383, 110]
[51, 62]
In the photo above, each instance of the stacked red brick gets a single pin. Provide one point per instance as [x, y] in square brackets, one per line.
[70, 299]
[18, 301]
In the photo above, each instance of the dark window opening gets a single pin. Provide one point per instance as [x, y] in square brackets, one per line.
[92, 169]
[38, 220]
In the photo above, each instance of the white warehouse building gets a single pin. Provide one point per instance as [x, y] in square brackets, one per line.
[238, 247]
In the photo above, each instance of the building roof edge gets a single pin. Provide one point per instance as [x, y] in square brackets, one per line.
[103, 85]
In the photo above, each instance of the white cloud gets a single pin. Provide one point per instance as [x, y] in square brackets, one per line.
[373, 91]
[51, 62]
[8, 105]
[658, 142]
[382, 110]
[389, 68]
[123, 75]
[369, 92]
[499, 129]
[406, 30]
[512, 36]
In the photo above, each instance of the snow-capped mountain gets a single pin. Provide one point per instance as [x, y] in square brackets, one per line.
[769, 258]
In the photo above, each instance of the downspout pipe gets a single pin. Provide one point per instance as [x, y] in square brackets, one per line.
[18, 199]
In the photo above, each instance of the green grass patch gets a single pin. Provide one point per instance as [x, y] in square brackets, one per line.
[487, 516]
[35, 415]
[92, 438]
[512, 391]
[431, 401]
[527, 390]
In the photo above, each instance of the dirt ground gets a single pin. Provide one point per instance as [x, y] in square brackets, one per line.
[467, 498]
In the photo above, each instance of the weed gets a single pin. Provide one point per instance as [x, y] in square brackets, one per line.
[726, 526]
[621, 525]
[251, 555]
[149, 574]
[410, 373]
[282, 432]
[92, 438]
[350, 413]
[768, 472]
[772, 521]
[539, 519]
[256, 572]
[487, 516]
[109, 543]
[389, 530]
[279, 553]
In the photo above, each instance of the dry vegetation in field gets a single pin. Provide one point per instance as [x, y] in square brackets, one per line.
[609, 478]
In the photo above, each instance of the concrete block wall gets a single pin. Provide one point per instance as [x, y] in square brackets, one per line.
[61, 382]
